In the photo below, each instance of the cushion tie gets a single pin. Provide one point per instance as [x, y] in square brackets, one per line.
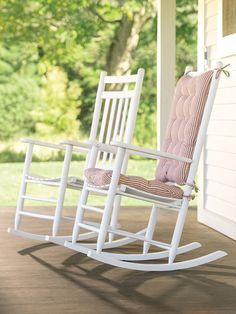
[222, 69]
[193, 186]
[189, 197]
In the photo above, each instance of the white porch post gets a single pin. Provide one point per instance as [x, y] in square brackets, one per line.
[165, 63]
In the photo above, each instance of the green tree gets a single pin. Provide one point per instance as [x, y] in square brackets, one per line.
[19, 94]
[186, 35]
[60, 106]
[62, 45]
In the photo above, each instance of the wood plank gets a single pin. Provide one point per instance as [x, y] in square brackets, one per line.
[221, 207]
[226, 96]
[41, 278]
[228, 81]
[210, 8]
[211, 23]
[210, 37]
[226, 60]
[221, 144]
[232, 61]
[219, 223]
[211, 53]
[222, 128]
[221, 175]
[223, 192]
[224, 112]
[221, 159]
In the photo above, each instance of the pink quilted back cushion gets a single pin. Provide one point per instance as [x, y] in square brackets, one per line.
[184, 122]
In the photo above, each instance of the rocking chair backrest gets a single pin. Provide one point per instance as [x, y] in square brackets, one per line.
[193, 99]
[115, 111]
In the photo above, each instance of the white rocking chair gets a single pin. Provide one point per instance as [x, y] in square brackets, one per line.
[113, 119]
[179, 158]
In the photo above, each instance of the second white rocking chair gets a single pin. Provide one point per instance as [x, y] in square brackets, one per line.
[113, 119]
[179, 158]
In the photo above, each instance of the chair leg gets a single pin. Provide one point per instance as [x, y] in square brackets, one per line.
[62, 190]
[106, 218]
[90, 163]
[105, 222]
[178, 230]
[79, 214]
[151, 228]
[20, 203]
[114, 217]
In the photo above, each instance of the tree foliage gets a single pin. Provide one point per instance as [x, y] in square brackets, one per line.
[52, 52]
[186, 34]
[19, 94]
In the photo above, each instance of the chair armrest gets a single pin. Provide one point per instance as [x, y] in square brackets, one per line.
[107, 148]
[87, 144]
[151, 153]
[51, 145]
[41, 143]
[82, 147]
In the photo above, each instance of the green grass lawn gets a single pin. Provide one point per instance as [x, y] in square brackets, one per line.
[10, 176]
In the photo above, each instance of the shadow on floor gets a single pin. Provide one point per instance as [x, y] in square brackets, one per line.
[186, 291]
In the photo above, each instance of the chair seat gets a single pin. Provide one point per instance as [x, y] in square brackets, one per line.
[72, 182]
[100, 177]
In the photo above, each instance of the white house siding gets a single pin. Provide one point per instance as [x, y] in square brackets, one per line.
[217, 201]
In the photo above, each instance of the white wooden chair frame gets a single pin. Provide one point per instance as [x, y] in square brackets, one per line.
[116, 124]
[96, 251]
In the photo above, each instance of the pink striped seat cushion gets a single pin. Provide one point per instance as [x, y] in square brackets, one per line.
[100, 177]
[185, 118]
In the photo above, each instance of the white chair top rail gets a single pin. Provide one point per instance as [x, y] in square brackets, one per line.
[118, 94]
[120, 79]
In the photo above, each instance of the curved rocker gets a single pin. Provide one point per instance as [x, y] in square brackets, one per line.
[57, 240]
[27, 235]
[102, 257]
[123, 260]
[60, 240]
[133, 257]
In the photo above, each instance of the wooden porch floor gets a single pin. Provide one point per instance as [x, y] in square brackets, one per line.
[43, 278]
